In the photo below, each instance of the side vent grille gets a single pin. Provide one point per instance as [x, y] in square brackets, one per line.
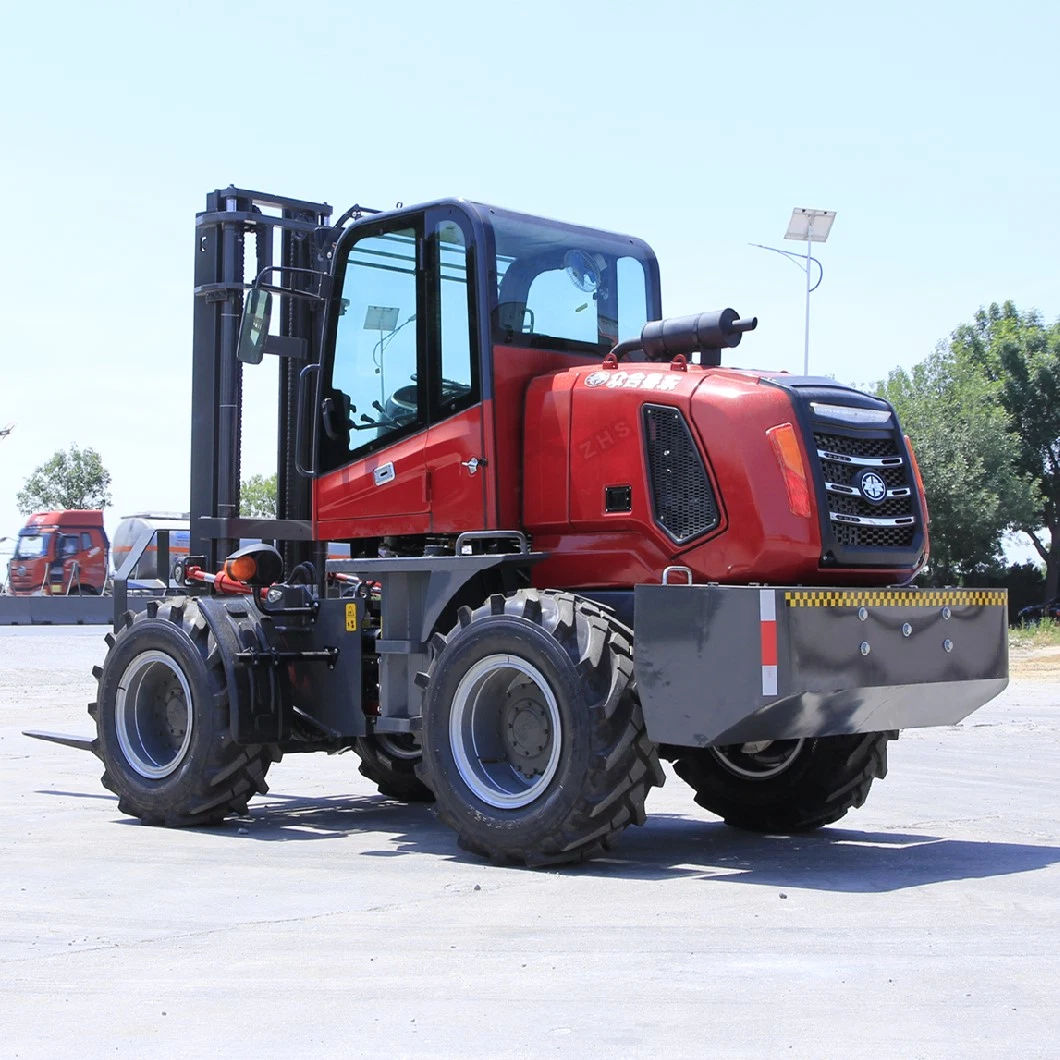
[683, 500]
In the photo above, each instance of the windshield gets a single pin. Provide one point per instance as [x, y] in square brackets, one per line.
[568, 288]
[32, 546]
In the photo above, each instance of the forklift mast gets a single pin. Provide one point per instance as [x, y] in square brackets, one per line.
[221, 233]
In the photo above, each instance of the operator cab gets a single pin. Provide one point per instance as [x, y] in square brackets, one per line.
[438, 318]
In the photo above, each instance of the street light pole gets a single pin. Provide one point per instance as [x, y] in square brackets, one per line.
[813, 226]
[806, 336]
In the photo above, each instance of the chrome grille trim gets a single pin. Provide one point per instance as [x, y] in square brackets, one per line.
[861, 461]
[849, 491]
[863, 520]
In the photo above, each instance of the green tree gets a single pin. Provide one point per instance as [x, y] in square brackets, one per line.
[75, 478]
[1020, 354]
[967, 457]
[257, 497]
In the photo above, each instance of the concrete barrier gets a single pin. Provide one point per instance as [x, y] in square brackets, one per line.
[63, 610]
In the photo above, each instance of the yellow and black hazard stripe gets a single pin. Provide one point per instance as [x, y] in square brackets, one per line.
[896, 598]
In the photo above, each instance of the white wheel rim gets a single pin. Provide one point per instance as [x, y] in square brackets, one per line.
[505, 731]
[757, 764]
[153, 715]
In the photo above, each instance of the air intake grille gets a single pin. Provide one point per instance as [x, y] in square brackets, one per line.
[855, 520]
[684, 502]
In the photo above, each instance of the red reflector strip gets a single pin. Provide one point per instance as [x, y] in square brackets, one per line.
[767, 610]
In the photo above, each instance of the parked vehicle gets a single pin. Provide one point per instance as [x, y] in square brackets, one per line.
[578, 544]
[60, 553]
[132, 528]
[1036, 612]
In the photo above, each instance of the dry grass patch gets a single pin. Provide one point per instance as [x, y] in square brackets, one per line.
[1034, 651]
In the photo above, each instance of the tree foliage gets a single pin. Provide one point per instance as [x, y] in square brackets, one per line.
[75, 478]
[1020, 355]
[967, 456]
[257, 497]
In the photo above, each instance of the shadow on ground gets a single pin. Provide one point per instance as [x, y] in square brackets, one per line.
[668, 846]
[832, 859]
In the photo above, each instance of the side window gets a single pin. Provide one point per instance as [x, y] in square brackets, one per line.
[374, 391]
[632, 297]
[70, 545]
[458, 386]
[86, 540]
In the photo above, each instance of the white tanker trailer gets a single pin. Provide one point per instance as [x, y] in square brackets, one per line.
[130, 531]
[132, 527]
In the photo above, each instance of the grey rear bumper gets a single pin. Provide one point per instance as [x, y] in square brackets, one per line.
[729, 664]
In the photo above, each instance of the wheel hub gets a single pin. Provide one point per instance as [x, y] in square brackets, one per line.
[153, 714]
[527, 736]
[176, 714]
[505, 732]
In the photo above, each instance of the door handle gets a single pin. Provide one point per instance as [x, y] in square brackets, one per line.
[473, 464]
[306, 468]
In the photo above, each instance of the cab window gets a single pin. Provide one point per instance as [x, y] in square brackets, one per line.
[373, 394]
[557, 309]
[568, 289]
[32, 546]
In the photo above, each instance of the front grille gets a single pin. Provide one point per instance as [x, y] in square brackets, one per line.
[873, 448]
[850, 505]
[873, 536]
[843, 474]
[843, 458]
[681, 494]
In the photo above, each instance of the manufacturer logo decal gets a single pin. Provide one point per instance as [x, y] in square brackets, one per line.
[664, 382]
[872, 487]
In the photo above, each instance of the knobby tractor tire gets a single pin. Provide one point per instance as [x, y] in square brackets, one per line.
[162, 722]
[390, 762]
[788, 785]
[533, 737]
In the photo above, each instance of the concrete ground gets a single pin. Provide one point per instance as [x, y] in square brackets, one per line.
[331, 921]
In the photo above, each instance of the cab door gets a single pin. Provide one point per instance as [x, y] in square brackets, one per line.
[374, 395]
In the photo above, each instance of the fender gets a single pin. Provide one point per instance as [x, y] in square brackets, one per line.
[280, 667]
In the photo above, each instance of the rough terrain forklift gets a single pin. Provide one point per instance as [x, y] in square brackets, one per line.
[578, 544]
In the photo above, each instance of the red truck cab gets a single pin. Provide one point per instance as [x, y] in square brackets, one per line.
[59, 553]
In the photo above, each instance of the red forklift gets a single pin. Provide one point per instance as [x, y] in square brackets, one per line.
[578, 544]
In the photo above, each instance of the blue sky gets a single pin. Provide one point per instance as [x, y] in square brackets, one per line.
[930, 128]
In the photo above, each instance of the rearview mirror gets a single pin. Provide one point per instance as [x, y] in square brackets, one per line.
[254, 326]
